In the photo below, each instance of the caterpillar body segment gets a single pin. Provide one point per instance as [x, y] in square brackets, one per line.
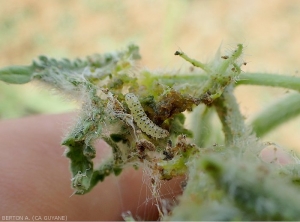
[142, 120]
[116, 109]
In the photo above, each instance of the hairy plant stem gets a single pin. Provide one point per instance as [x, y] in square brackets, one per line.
[201, 124]
[261, 79]
[276, 113]
[230, 116]
[194, 62]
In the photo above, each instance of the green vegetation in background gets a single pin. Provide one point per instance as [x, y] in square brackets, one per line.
[18, 101]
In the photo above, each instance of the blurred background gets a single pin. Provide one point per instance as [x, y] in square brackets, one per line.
[56, 28]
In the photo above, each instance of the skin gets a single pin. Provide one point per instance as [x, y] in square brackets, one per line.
[35, 177]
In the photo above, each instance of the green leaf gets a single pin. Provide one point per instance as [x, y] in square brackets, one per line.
[16, 74]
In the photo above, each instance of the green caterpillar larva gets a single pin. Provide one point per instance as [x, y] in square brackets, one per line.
[141, 119]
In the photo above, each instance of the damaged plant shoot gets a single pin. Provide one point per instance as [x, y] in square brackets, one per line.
[142, 116]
